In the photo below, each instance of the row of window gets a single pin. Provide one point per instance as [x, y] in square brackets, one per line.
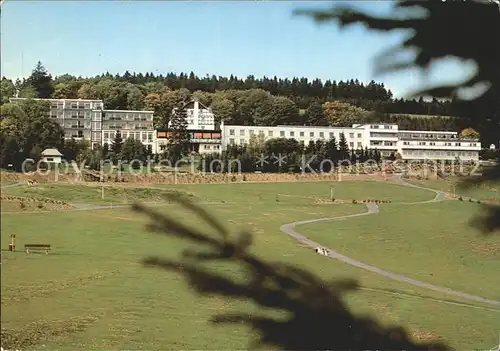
[109, 136]
[211, 147]
[438, 153]
[232, 141]
[427, 136]
[76, 105]
[424, 143]
[291, 134]
[376, 126]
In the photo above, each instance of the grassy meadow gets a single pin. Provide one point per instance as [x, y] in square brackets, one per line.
[92, 292]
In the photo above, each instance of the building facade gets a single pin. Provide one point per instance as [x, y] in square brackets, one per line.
[206, 133]
[386, 138]
[87, 119]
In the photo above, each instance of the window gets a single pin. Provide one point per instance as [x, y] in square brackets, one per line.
[270, 133]
[359, 144]
[231, 141]
[50, 159]
[106, 135]
[351, 144]
[321, 134]
[292, 134]
[231, 131]
[406, 143]
[251, 132]
[457, 144]
[242, 132]
[150, 137]
[282, 133]
[422, 143]
[301, 134]
[351, 135]
[432, 144]
[311, 134]
[359, 135]
[331, 135]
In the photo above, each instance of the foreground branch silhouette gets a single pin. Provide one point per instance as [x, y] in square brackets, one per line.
[466, 30]
[317, 318]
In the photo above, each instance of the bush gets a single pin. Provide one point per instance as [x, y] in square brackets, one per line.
[354, 202]
[22, 205]
[244, 178]
[40, 205]
[470, 200]
[460, 198]
[333, 199]
[233, 178]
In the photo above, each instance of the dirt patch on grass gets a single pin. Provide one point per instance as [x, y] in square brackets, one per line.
[425, 336]
[487, 248]
[31, 291]
[42, 331]
[330, 202]
[11, 203]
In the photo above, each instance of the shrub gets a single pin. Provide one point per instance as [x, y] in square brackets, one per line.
[40, 205]
[354, 202]
[244, 178]
[333, 199]
[470, 200]
[233, 178]
[460, 198]
[22, 205]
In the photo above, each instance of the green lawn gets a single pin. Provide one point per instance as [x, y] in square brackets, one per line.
[291, 192]
[428, 242]
[91, 292]
[487, 191]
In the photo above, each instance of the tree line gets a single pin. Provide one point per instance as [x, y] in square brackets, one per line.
[286, 155]
[260, 101]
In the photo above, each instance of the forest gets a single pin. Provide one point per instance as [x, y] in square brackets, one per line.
[260, 101]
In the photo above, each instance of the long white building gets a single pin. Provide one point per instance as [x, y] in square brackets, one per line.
[386, 138]
[87, 119]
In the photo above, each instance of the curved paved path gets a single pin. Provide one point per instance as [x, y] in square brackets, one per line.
[371, 210]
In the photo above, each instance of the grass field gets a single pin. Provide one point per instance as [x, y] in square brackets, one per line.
[92, 292]
[486, 191]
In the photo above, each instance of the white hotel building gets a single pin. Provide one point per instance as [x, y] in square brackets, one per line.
[386, 138]
[87, 119]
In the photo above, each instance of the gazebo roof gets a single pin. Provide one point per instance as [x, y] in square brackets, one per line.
[51, 152]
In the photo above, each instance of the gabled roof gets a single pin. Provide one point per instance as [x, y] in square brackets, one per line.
[190, 105]
[51, 152]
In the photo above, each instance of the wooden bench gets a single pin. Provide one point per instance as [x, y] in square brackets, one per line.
[34, 247]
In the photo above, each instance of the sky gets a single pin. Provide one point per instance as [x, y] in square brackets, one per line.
[262, 38]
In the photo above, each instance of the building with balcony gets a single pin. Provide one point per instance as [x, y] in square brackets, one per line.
[433, 145]
[386, 138]
[87, 119]
[131, 124]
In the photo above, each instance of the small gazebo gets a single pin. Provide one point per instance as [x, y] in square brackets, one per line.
[51, 156]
